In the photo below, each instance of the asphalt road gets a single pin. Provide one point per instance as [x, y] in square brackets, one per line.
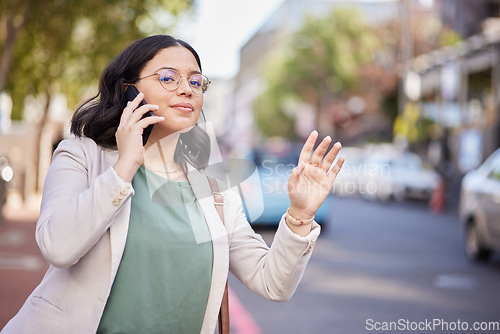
[384, 268]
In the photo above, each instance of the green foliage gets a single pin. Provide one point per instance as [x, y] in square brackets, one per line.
[326, 54]
[321, 62]
[449, 37]
[65, 44]
[269, 109]
[271, 118]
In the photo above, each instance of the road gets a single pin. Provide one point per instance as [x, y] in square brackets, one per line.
[381, 265]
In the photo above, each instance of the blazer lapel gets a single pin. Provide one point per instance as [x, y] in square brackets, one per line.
[220, 246]
[203, 194]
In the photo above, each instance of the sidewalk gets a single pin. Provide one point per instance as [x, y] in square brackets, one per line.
[21, 264]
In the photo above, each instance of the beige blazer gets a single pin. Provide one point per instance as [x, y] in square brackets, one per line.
[82, 231]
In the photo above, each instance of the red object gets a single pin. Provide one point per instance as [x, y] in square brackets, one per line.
[436, 203]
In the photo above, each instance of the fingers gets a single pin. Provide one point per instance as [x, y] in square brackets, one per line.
[305, 154]
[297, 171]
[330, 157]
[318, 158]
[140, 107]
[336, 169]
[146, 121]
[138, 113]
[131, 106]
[135, 110]
[320, 151]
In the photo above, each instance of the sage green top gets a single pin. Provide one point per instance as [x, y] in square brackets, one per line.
[163, 281]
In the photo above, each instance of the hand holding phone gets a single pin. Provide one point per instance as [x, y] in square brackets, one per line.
[131, 93]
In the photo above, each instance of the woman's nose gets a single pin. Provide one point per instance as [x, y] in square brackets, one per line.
[184, 86]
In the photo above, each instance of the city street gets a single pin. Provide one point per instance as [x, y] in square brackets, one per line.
[21, 263]
[245, 91]
[379, 263]
[374, 264]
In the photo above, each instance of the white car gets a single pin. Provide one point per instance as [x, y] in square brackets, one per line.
[349, 181]
[399, 176]
[479, 209]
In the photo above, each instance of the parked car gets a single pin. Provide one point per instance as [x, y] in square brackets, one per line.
[349, 181]
[479, 209]
[400, 176]
[275, 162]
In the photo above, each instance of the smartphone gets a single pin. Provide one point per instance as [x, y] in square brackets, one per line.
[131, 93]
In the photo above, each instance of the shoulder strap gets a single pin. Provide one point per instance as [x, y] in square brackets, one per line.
[224, 326]
[218, 198]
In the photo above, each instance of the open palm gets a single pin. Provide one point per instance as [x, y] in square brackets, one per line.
[312, 179]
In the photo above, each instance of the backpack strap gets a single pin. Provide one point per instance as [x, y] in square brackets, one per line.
[224, 325]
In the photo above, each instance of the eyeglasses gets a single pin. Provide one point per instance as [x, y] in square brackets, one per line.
[170, 79]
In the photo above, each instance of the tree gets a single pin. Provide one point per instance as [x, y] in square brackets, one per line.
[61, 46]
[322, 63]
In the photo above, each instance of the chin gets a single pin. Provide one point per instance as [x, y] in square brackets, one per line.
[187, 129]
[181, 127]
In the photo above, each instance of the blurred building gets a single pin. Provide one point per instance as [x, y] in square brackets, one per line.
[272, 38]
[467, 17]
[217, 106]
[28, 146]
[458, 86]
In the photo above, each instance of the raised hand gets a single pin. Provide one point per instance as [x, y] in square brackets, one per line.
[312, 179]
[129, 137]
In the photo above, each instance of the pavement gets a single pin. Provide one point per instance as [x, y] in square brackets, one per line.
[21, 263]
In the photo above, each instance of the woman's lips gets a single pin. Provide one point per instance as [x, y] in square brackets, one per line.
[183, 107]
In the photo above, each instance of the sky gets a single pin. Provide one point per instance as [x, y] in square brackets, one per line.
[219, 29]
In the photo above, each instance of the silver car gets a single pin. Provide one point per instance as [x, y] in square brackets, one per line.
[480, 209]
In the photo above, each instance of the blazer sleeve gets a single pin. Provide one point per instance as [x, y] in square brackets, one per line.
[273, 273]
[79, 202]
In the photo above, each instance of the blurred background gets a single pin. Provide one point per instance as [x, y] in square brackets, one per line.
[410, 87]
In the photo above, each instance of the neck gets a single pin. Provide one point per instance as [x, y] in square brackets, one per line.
[159, 154]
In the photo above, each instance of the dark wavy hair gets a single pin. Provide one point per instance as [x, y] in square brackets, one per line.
[98, 117]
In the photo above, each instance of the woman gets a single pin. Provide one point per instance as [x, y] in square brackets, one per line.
[131, 232]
